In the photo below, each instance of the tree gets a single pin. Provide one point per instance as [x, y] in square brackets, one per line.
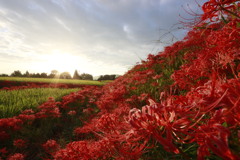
[26, 74]
[16, 74]
[76, 75]
[37, 75]
[86, 76]
[100, 78]
[107, 77]
[54, 74]
[65, 75]
[3, 75]
[43, 75]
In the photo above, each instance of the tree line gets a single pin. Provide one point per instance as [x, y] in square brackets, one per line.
[62, 75]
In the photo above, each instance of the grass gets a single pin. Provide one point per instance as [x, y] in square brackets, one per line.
[54, 80]
[13, 102]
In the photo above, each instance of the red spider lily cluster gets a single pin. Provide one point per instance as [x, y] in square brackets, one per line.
[16, 130]
[180, 104]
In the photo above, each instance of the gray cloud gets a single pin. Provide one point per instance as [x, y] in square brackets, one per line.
[105, 31]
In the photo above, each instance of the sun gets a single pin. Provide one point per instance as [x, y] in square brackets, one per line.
[61, 61]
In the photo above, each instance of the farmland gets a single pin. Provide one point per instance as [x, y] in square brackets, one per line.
[183, 103]
[52, 80]
[12, 102]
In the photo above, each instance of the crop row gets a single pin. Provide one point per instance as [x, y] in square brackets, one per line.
[14, 101]
[16, 85]
[54, 80]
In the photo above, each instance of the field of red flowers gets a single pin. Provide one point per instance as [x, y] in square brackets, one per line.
[183, 103]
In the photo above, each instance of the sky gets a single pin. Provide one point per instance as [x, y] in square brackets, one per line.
[92, 36]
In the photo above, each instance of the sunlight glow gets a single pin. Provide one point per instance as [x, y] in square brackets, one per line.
[62, 62]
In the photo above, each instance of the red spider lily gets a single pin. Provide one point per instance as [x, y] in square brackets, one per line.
[74, 150]
[49, 109]
[157, 76]
[51, 146]
[214, 8]
[19, 143]
[115, 93]
[102, 149]
[90, 93]
[4, 136]
[87, 110]
[203, 152]
[214, 137]
[143, 96]
[27, 115]
[10, 123]
[71, 113]
[133, 147]
[151, 122]
[16, 156]
[3, 151]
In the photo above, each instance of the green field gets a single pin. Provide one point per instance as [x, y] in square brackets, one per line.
[54, 80]
[13, 102]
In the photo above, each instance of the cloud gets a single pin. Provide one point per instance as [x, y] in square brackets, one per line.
[107, 32]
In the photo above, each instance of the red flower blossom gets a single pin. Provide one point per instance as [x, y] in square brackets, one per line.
[4, 135]
[16, 156]
[51, 146]
[19, 143]
[71, 113]
[3, 151]
[49, 109]
[214, 137]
